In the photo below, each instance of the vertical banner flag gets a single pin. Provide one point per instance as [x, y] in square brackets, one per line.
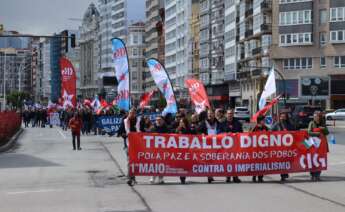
[198, 94]
[145, 98]
[120, 60]
[270, 88]
[162, 81]
[68, 83]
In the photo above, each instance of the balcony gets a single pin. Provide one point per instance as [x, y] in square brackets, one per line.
[249, 12]
[243, 74]
[248, 33]
[266, 27]
[256, 72]
[257, 51]
[266, 5]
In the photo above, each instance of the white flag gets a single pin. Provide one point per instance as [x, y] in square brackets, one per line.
[270, 88]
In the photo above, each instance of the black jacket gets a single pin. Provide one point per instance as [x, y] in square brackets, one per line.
[234, 126]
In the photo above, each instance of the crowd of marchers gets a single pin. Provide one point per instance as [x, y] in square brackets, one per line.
[210, 122]
[213, 122]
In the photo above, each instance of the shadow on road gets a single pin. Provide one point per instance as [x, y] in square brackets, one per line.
[23, 161]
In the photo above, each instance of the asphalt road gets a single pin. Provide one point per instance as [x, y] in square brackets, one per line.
[43, 173]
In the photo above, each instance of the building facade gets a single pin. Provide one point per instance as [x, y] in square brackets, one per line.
[177, 43]
[254, 39]
[308, 48]
[46, 73]
[113, 24]
[90, 53]
[15, 66]
[137, 63]
[154, 37]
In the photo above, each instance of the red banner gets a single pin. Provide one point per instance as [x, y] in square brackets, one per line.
[68, 83]
[198, 94]
[241, 154]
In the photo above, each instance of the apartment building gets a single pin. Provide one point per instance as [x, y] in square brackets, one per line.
[308, 49]
[137, 63]
[154, 37]
[177, 39]
[212, 28]
[113, 24]
[254, 39]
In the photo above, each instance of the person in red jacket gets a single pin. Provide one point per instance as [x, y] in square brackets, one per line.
[75, 124]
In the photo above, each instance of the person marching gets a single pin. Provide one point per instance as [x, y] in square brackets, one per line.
[159, 127]
[183, 128]
[75, 124]
[260, 127]
[283, 124]
[232, 125]
[317, 128]
[210, 127]
[131, 124]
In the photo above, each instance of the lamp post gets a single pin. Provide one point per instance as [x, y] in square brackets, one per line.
[4, 97]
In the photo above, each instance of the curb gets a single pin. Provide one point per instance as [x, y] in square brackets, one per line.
[12, 141]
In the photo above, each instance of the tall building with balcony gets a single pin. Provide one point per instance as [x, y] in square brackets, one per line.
[308, 49]
[136, 47]
[194, 57]
[154, 37]
[177, 39]
[90, 53]
[212, 50]
[254, 38]
[46, 72]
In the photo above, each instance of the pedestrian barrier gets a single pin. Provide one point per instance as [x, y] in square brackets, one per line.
[9, 124]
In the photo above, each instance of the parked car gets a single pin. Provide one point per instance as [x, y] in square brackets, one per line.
[242, 113]
[303, 114]
[336, 115]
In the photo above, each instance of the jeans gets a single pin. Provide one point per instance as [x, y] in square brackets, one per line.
[76, 135]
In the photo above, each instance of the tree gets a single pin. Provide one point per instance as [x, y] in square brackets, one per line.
[16, 99]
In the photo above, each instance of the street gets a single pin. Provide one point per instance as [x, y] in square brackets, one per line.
[43, 173]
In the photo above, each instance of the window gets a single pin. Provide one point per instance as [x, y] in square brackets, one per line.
[323, 38]
[337, 14]
[295, 39]
[298, 63]
[135, 39]
[292, 1]
[339, 62]
[322, 62]
[323, 16]
[337, 36]
[295, 17]
[135, 52]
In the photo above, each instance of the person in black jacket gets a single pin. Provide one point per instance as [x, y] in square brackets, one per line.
[283, 125]
[183, 128]
[232, 125]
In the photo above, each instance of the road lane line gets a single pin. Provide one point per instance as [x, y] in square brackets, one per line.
[61, 133]
[34, 191]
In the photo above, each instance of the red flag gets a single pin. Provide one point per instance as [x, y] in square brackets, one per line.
[264, 110]
[104, 103]
[68, 83]
[198, 94]
[145, 98]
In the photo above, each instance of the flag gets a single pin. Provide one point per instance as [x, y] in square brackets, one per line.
[198, 95]
[87, 102]
[270, 88]
[68, 83]
[308, 142]
[96, 104]
[163, 83]
[264, 110]
[120, 60]
[104, 103]
[145, 98]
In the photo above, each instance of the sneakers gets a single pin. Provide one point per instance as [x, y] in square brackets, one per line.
[210, 179]
[236, 180]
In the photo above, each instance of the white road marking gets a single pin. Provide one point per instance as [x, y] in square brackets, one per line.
[61, 133]
[34, 191]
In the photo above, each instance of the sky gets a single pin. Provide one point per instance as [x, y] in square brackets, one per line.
[45, 17]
